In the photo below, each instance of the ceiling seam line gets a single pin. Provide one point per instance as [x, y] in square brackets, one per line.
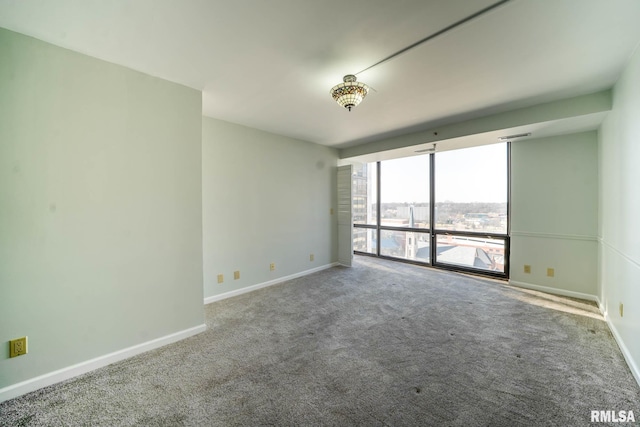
[436, 34]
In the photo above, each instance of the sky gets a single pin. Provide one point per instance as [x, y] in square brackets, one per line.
[477, 174]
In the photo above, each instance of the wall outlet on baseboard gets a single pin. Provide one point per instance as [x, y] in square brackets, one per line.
[236, 275]
[621, 309]
[220, 278]
[551, 272]
[311, 257]
[527, 269]
[272, 266]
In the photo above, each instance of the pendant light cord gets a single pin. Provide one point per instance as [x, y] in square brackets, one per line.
[437, 33]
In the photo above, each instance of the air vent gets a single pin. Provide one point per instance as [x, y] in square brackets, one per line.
[427, 150]
[510, 137]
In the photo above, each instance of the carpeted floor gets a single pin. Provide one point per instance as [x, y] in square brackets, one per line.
[378, 344]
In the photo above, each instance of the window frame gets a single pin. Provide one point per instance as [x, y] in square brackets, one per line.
[435, 233]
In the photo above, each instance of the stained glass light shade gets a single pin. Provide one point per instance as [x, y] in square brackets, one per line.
[350, 93]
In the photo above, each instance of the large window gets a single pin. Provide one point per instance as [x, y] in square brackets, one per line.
[405, 209]
[448, 209]
[404, 192]
[471, 205]
[471, 189]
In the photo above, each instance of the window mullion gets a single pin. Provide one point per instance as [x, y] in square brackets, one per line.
[378, 209]
[432, 207]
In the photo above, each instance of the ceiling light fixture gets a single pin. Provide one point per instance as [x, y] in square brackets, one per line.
[351, 93]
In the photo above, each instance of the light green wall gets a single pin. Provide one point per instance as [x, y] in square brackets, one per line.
[554, 212]
[100, 207]
[266, 199]
[619, 228]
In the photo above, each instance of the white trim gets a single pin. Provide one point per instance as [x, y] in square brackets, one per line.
[618, 251]
[633, 367]
[220, 297]
[50, 378]
[554, 236]
[555, 291]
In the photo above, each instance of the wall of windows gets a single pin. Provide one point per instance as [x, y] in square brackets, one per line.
[446, 209]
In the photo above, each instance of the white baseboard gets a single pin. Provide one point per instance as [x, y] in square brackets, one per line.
[50, 378]
[556, 291]
[214, 298]
[633, 366]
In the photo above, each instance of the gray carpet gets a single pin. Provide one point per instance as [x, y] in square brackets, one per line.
[379, 344]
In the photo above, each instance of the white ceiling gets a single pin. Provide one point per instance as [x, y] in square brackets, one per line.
[270, 64]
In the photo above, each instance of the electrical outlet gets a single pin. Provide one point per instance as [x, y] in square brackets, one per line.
[621, 309]
[551, 272]
[527, 269]
[331, 211]
[311, 257]
[272, 266]
[18, 347]
[236, 275]
[220, 278]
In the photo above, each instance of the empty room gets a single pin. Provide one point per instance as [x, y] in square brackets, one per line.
[368, 213]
